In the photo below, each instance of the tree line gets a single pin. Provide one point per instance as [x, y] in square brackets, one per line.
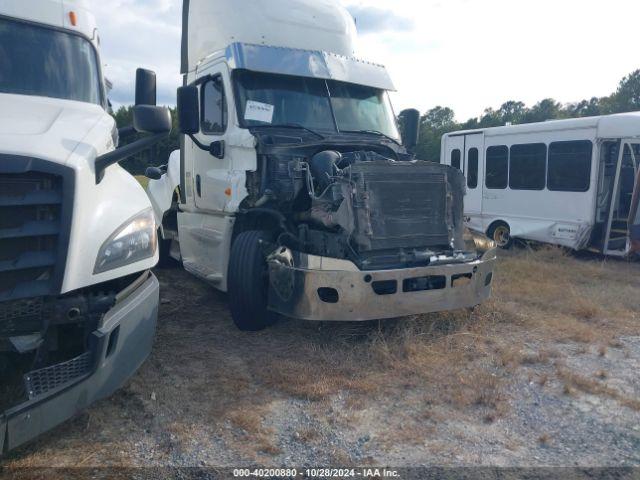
[156, 155]
[438, 121]
[441, 120]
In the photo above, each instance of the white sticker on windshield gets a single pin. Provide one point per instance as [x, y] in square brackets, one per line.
[260, 112]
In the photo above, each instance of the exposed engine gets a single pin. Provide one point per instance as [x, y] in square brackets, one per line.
[361, 205]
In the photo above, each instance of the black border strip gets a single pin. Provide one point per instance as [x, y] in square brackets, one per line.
[184, 64]
[15, 164]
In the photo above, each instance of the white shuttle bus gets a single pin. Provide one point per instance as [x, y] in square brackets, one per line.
[572, 183]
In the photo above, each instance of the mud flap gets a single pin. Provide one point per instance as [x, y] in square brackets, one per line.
[634, 217]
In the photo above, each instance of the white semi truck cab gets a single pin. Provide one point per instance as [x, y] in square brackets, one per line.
[292, 190]
[78, 304]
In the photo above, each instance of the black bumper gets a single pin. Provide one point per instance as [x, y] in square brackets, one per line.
[133, 322]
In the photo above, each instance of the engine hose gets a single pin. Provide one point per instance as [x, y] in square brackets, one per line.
[291, 236]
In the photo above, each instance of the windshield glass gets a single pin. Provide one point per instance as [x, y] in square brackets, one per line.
[41, 61]
[357, 107]
[268, 99]
[277, 99]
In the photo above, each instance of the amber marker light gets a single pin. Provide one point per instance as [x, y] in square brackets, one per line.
[73, 18]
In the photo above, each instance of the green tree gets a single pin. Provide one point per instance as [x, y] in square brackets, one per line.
[489, 118]
[154, 156]
[433, 124]
[511, 112]
[627, 97]
[547, 109]
[586, 108]
[439, 118]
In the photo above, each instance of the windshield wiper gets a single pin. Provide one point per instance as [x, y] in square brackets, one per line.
[291, 125]
[374, 132]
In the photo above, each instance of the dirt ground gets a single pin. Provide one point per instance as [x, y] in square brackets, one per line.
[544, 374]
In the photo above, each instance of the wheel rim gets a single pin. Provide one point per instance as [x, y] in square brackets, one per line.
[501, 236]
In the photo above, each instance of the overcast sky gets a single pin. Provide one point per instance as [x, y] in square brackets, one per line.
[464, 54]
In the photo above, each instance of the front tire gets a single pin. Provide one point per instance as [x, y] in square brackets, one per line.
[500, 232]
[248, 282]
[165, 260]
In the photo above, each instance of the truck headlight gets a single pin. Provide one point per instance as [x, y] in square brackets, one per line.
[135, 240]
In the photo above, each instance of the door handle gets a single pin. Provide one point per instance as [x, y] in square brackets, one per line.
[198, 186]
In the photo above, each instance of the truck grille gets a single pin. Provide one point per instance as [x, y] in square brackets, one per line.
[35, 208]
[21, 317]
[401, 206]
[40, 382]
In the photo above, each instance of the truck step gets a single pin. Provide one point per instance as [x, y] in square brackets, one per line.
[617, 243]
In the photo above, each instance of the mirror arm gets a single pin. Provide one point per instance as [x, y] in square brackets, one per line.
[198, 143]
[207, 148]
[126, 132]
[116, 156]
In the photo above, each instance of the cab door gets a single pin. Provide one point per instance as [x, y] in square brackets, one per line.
[474, 173]
[210, 173]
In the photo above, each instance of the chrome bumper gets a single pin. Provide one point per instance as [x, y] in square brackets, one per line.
[316, 288]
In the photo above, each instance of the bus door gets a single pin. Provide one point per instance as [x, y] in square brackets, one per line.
[474, 172]
[634, 211]
[624, 198]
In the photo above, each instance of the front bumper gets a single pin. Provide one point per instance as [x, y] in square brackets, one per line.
[316, 288]
[119, 346]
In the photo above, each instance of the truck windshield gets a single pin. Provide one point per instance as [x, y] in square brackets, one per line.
[46, 62]
[268, 99]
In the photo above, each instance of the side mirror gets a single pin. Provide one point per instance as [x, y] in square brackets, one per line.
[151, 119]
[153, 173]
[189, 119]
[188, 110]
[410, 122]
[145, 87]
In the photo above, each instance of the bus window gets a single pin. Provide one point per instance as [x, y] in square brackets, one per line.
[497, 176]
[456, 155]
[527, 166]
[569, 166]
[472, 168]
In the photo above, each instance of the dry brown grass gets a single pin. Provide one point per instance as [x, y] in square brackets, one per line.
[462, 360]
[573, 381]
[549, 291]
[308, 435]
[543, 379]
[402, 376]
[253, 431]
[544, 439]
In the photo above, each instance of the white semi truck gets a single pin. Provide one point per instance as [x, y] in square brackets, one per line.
[78, 304]
[291, 190]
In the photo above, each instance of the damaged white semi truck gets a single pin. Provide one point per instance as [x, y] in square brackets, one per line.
[291, 190]
[78, 303]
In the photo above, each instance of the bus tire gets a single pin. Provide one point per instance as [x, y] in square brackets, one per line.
[248, 282]
[500, 232]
